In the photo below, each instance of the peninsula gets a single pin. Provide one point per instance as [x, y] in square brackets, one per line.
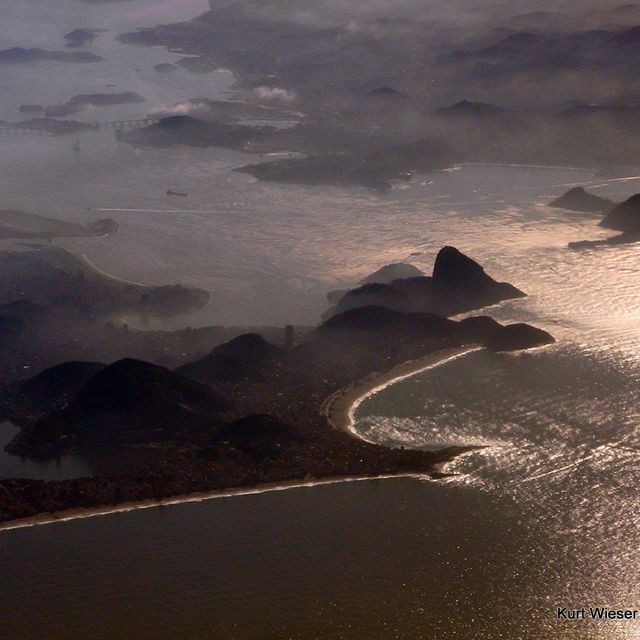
[249, 414]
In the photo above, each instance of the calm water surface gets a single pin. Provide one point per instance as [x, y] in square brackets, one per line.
[547, 514]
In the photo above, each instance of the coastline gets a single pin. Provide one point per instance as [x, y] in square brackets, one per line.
[124, 507]
[340, 407]
[85, 260]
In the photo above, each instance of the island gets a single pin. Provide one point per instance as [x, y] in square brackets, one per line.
[81, 37]
[165, 67]
[80, 102]
[577, 199]
[19, 55]
[474, 93]
[196, 64]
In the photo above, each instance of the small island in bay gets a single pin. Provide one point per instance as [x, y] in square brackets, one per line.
[80, 102]
[80, 37]
[165, 67]
[577, 199]
[20, 55]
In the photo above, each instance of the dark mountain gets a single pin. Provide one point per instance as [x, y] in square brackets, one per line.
[465, 108]
[52, 389]
[80, 37]
[187, 130]
[10, 328]
[514, 337]
[379, 322]
[128, 401]
[453, 269]
[384, 275]
[55, 278]
[481, 327]
[577, 199]
[23, 310]
[62, 380]
[244, 356]
[366, 325]
[625, 43]
[522, 46]
[391, 272]
[259, 435]
[624, 217]
[458, 284]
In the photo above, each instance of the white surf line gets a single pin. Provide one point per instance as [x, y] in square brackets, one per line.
[124, 210]
[109, 275]
[525, 166]
[26, 523]
[356, 403]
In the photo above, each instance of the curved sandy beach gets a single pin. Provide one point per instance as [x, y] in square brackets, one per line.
[340, 407]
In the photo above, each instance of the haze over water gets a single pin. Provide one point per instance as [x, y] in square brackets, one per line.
[546, 515]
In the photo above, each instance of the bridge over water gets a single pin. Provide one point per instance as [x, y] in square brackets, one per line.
[33, 129]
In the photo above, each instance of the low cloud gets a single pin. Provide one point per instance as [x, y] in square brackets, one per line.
[275, 93]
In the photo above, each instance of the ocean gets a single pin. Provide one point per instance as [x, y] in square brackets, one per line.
[545, 515]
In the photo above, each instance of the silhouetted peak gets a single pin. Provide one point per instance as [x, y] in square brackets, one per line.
[62, 378]
[245, 355]
[22, 310]
[391, 272]
[519, 336]
[247, 345]
[624, 217]
[129, 384]
[577, 199]
[382, 322]
[260, 434]
[453, 268]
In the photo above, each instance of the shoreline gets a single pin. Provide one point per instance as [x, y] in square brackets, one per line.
[79, 513]
[340, 407]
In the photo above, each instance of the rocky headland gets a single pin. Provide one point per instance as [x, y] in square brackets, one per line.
[57, 279]
[458, 284]
[23, 225]
[624, 217]
[246, 414]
